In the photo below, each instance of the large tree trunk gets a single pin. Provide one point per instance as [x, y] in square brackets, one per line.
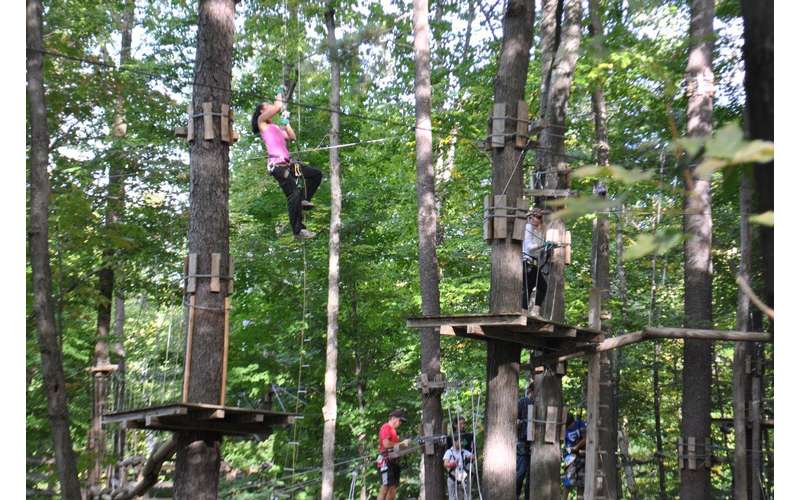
[198, 454]
[759, 85]
[546, 457]
[433, 470]
[52, 368]
[696, 400]
[599, 396]
[607, 426]
[115, 205]
[741, 380]
[332, 349]
[502, 358]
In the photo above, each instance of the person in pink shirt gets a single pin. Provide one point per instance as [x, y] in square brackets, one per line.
[281, 165]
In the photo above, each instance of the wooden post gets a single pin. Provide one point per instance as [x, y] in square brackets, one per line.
[500, 220]
[488, 212]
[522, 124]
[226, 334]
[691, 455]
[520, 219]
[224, 128]
[499, 125]
[191, 280]
[592, 469]
[208, 121]
[187, 363]
[190, 122]
[214, 287]
[428, 434]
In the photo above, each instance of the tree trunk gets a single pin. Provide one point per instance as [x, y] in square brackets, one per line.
[759, 85]
[115, 205]
[741, 379]
[600, 453]
[653, 315]
[52, 367]
[332, 349]
[696, 400]
[198, 454]
[433, 470]
[546, 457]
[502, 358]
[119, 392]
[607, 428]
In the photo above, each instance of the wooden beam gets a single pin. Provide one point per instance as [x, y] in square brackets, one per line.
[187, 363]
[522, 124]
[224, 114]
[694, 333]
[214, 286]
[225, 335]
[500, 222]
[498, 138]
[190, 123]
[487, 217]
[520, 220]
[208, 121]
[467, 319]
[548, 193]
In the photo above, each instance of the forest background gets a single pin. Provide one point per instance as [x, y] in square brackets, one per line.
[277, 280]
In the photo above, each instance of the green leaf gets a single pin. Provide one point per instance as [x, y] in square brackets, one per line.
[765, 219]
[725, 142]
[648, 243]
[624, 175]
[582, 205]
[755, 152]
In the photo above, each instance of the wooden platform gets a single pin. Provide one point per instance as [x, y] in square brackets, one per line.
[530, 331]
[225, 420]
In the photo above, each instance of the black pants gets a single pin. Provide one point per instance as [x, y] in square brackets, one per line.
[285, 175]
[532, 278]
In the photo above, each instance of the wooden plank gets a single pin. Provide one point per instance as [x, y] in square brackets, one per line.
[224, 127]
[187, 363]
[208, 121]
[234, 133]
[522, 124]
[190, 123]
[498, 139]
[180, 132]
[191, 281]
[428, 428]
[500, 222]
[214, 286]
[467, 319]
[230, 274]
[171, 410]
[692, 453]
[551, 425]
[225, 336]
[707, 453]
[520, 219]
[487, 218]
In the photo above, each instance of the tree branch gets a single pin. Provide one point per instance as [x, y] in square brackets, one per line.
[149, 473]
[754, 298]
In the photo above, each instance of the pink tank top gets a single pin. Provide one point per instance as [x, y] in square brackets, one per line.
[275, 143]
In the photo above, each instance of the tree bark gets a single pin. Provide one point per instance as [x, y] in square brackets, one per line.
[52, 365]
[607, 426]
[332, 349]
[115, 205]
[433, 470]
[546, 457]
[696, 399]
[198, 454]
[759, 86]
[148, 476]
[502, 358]
[741, 379]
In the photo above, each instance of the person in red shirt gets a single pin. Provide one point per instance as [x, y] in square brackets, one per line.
[390, 469]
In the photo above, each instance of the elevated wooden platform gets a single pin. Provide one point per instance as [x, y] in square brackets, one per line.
[226, 420]
[530, 331]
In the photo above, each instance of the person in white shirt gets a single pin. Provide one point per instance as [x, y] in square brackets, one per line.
[534, 258]
[457, 478]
